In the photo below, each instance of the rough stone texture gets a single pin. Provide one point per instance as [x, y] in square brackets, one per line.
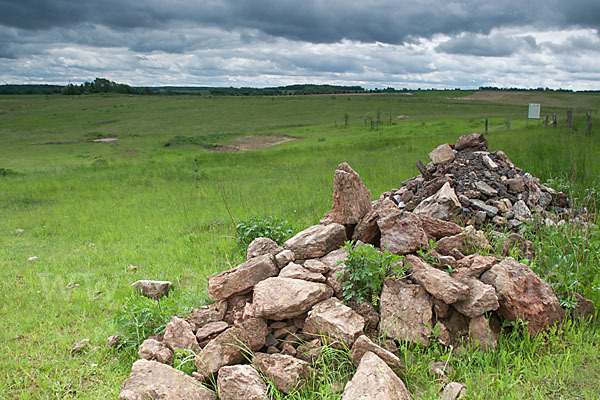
[153, 380]
[436, 228]
[521, 211]
[297, 271]
[375, 379]
[331, 260]
[286, 372]
[453, 391]
[481, 298]
[368, 312]
[367, 230]
[402, 233]
[351, 198]
[316, 241]
[437, 283]
[207, 314]
[282, 298]
[522, 294]
[152, 349]
[516, 242]
[456, 325]
[261, 246]
[475, 265]
[405, 311]
[153, 289]
[226, 349]
[490, 211]
[316, 266]
[179, 335]
[486, 189]
[80, 346]
[474, 141]
[364, 344]
[481, 334]
[334, 321]
[284, 257]
[114, 340]
[238, 382]
[443, 205]
[442, 154]
[585, 307]
[467, 242]
[241, 278]
[236, 306]
[210, 329]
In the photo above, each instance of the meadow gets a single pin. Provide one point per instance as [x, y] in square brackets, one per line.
[165, 198]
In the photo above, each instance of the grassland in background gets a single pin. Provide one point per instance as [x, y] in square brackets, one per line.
[88, 210]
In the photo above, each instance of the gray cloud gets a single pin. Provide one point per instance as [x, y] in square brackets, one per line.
[488, 46]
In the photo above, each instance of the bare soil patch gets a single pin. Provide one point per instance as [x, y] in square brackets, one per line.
[255, 142]
[484, 95]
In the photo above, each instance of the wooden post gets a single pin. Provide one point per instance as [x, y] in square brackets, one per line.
[554, 120]
[569, 118]
[546, 121]
[486, 126]
[508, 124]
[588, 121]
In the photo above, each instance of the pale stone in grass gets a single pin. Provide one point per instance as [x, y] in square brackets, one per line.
[153, 289]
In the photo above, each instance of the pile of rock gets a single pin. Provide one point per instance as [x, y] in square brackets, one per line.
[273, 313]
[465, 180]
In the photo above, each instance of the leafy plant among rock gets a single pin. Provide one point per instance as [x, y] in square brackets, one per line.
[365, 270]
[269, 227]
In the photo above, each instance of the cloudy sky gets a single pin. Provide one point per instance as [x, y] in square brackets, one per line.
[376, 43]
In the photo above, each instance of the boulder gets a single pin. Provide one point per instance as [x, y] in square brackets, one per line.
[486, 189]
[335, 322]
[237, 382]
[351, 198]
[284, 257]
[367, 230]
[286, 372]
[521, 211]
[210, 329]
[437, 283]
[179, 336]
[468, 242]
[475, 264]
[152, 349]
[472, 142]
[442, 154]
[584, 308]
[522, 294]
[453, 391]
[316, 241]
[481, 335]
[297, 271]
[316, 266]
[405, 311]
[207, 314]
[151, 379]
[283, 298]
[261, 246]
[231, 346]
[374, 379]
[241, 278]
[443, 205]
[481, 298]
[402, 233]
[363, 344]
[436, 228]
[153, 289]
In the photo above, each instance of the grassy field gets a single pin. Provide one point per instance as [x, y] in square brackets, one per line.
[163, 199]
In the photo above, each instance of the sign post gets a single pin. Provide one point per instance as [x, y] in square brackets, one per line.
[533, 112]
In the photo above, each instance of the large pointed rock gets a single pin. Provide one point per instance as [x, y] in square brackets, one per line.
[522, 294]
[231, 346]
[153, 380]
[282, 298]
[437, 283]
[316, 241]
[351, 198]
[334, 321]
[443, 204]
[405, 311]
[374, 379]
[402, 232]
[241, 278]
[367, 230]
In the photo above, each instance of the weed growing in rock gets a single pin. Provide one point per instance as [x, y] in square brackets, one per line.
[366, 269]
[270, 227]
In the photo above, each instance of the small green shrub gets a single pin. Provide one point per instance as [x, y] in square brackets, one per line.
[183, 360]
[7, 172]
[366, 269]
[270, 227]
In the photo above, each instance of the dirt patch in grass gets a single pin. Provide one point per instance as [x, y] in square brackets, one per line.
[256, 142]
[484, 95]
[110, 121]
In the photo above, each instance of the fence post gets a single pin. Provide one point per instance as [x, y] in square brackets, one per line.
[546, 121]
[569, 118]
[508, 124]
[588, 120]
[554, 120]
[486, 126]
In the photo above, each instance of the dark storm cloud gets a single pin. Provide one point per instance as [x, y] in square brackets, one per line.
[487, 46]
[386, 21]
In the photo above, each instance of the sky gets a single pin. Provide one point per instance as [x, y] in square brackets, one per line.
[261, 43]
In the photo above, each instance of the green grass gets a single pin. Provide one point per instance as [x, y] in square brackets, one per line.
[88, 210]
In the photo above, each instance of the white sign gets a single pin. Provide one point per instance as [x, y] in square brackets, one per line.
[534, 111]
